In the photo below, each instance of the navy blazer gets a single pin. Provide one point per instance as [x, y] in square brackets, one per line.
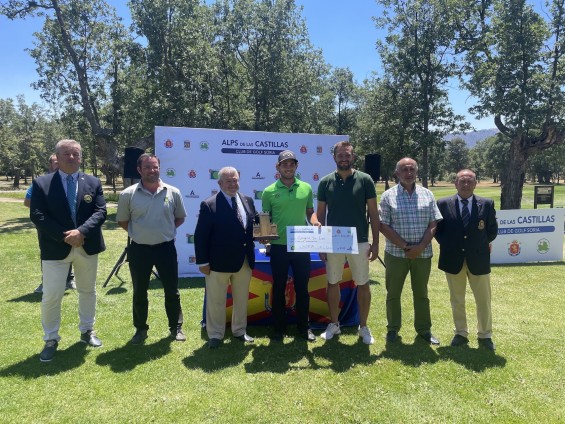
[51, 214]
[472, 244]
[219, 237]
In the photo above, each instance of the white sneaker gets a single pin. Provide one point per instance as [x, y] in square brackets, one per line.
[366, 335]
[331, 330]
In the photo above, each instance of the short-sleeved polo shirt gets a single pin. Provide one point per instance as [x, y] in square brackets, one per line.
[151, 216]
[346, 201]
[287, 205]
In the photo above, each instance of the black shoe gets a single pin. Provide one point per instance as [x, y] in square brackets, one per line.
[307, 335]
[178, 335]
[428, 337]
[392, 336]
[459, 340]
[139, 337]
[48, 351]
[245, 338]
[277, 335]
[89, 337]
[214, 343]
[487, 344]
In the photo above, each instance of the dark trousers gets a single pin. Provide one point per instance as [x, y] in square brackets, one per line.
[299, 262]
[142, 258]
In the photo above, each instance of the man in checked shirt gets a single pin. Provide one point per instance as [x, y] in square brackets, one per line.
[409, 216]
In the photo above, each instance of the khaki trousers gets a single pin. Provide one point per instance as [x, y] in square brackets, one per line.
[480, 285]
[216, 293]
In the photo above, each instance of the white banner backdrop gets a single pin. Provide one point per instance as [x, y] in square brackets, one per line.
[191, 158]
[528, 235]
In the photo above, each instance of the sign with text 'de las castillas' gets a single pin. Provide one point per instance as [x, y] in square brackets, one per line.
[528, 235]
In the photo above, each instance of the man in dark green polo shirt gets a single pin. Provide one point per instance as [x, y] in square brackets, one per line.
[349, 196]
[290, 202]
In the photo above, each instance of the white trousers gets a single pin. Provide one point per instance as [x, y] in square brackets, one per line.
[54, 284]
[216, 293]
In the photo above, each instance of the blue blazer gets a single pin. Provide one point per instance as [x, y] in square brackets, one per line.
[51, 214]
[220, 239]
[457, 243]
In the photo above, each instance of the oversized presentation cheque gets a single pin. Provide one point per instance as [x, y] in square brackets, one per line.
[322, 239]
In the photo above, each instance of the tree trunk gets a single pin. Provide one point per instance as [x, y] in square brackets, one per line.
[512, 179]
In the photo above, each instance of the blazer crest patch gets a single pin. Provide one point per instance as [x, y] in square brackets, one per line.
[87, 198]
[481, 224]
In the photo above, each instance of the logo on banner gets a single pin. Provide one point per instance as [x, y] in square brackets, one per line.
[192, 195]
[319, 150]
[192, 259]
[543, 246]
[214, 192]
[214, 174]
[258, 176]
[204, 146]
[303, 149]
[514, 248]
[168, 143]
[190, 238]
[192, 173]
[316, 176]
[186, 144]
[170, 172]
[258, 194]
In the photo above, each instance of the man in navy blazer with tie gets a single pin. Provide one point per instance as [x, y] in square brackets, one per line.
[464, 236]
[225, 254]
[68, 209]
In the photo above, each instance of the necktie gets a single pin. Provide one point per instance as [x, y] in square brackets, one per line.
[236, 210]
[465, 212]
[72, 196]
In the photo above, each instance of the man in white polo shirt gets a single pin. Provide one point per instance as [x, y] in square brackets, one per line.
[150, 211]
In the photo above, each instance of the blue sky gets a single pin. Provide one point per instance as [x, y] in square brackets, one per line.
[342, 29]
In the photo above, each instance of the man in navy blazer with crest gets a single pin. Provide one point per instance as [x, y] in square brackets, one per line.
[225, 254]
[464, 237]
[68, 209]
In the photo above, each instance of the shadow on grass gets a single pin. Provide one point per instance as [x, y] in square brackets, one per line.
[413, 355]
[16, 225]
[278, 357]
[129, 356]
[29, 298]
[343, 357]
[65, 360]
[231, 353]
[474, 359]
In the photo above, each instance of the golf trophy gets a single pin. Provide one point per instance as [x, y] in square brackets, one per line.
[265, 230]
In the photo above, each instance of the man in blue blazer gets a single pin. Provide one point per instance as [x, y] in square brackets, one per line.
[225, 254]
[68, 209]
[464, 236]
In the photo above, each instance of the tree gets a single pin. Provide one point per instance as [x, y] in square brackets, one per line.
[515, 67]
[344, 87]
[457, 155]
[417, 56]
[79, 55]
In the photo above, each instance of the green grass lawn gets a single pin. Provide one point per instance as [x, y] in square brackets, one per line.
[341, 381]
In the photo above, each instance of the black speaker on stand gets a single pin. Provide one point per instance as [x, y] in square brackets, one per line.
[373, 166]
[131, 154]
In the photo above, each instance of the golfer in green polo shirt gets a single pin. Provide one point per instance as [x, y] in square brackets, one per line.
[289, 201]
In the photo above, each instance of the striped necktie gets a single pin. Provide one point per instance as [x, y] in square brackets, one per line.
[72, 196]
[236, 210]
[465, 212]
